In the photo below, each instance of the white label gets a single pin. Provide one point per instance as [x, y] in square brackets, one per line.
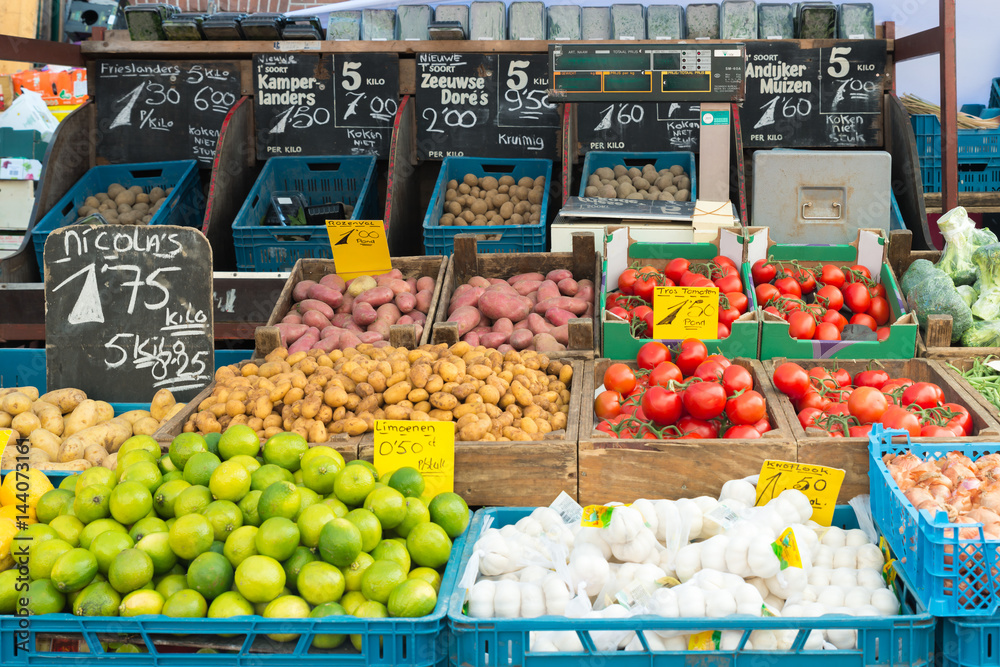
[296, 46]
[79, 88]
[773, 37]
[627, 37]
[855, 37]
[568, 509]
[635, 596]
[727, 53]
[284, 201]
[723, 515]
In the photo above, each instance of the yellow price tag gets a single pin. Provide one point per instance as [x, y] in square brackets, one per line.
[820, 484]
[359, 247]
[596, 516]
[786, 548]
[427, 446]
[686, 312]
[710, 640]
[5, 434]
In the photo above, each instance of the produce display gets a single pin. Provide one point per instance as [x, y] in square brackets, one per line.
[623, 182]
[68, 431]
[633, 302]
[819, 303]
[335, 314]
[842, 406]
[479, 201]
[983, 378]
[489, 395]
[125, 206]
[684, 559]
[690, 395]
[211, 530]
[529, 311]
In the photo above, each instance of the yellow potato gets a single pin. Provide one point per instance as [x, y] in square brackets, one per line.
[47, 441]
[38, 456]
[5, 419]
[95, 454]
[161, 404]
[104, 411]
[26, 422]
[110, 461]
[66, 400]
[132, 416]
[172, 412]
[15, 403]
[145, 426]
[83, 417]
[71, 466]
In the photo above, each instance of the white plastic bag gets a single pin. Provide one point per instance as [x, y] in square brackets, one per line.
[29, 112]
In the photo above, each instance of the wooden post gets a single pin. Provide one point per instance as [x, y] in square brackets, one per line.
[949, 107]
[900, 244]
[938, 331]
[465, 257]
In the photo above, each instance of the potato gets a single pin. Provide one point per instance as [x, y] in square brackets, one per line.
[174, 409]
[110, 461]
[361, 284]
[104, 411]
[15, 403]
[25, 423]
[115, 189]
[145, 426]
[162, 401]
[125, 197]
[95, 454]
[83, 417]
[46, 441]
[66, 400]
[132, 416]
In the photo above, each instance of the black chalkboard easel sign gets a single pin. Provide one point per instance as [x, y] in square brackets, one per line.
[153, 110]
[637, 126]
[128, 311]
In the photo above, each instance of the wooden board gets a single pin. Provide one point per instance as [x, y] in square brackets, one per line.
[851, 454]
[625, 470]
[434, 266]
[18, 18]
[907, 182]
[584, 261]
[403, 218]
[519, 474]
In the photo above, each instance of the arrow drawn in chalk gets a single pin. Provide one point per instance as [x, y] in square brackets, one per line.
[88, 304]
[605, 123]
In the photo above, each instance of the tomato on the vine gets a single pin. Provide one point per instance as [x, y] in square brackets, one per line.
[722, 260]
[644, 287]
[704, 400]
[842, 377]
[730, 283]
[766, 293]
[661, 405]
[873, 377]
[619, 378]
[608, 404]
[763, 272]
[747, 408]
[806, 279]
[691, 354]
[788, 287]
[868, 404]
[676, 268]
[831, 297]
[827, 331]
[709, 371]
[923, 394]
[699, 428]
[626, 281]
[801, 325]
[791, 379]
[651, 354]
[763, 425]
[857, 298]
[738, 300]
[736, 379]
[879, 310]
[864, 319]
[807, 417]
[664, 373]
[741, 432]
[832, 275]
[896, 417]
[963, 420]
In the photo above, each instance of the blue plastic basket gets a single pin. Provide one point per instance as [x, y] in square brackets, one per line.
[664, 160]
[978, 154]
[386, 642]
[889, 641]
[970, 642]
[995, 94]
[323, 180]
[945, 570]
[440, 240]
[185, 206]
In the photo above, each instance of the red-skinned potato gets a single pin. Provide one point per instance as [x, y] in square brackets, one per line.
[406, 302]
[327, 295]
[496, 303]
[315, 304]
[467, 318]
[314, 318]
[526, 276]
[333, 281]
[305, 343]
[568, 286]
[301, 290]
[558, 316]
[425, 283]
[548, 290]
[574, 305]
[292, 318]
[555, 275]
[364, 313]
[521, 338]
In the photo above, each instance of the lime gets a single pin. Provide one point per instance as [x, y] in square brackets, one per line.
[130, 648]
[171, 476]
[130, 570]
[140, 603]
[166, 496]
[44, 556]
[320, 582]
[340, 542]
[190, 536]
[97, 599]
[147, 526]
[198, 469]
[224, 516]
[368, 524]
[240, 545]
[364, 464]
[74, 570]
[212, 441]
[407, 481]
[260, 578]
[355, 572]
[287, 606]
[8, 593]
[248, 507]
[351, 600]
[230, 481]
[33, 535]
[185, 603]
[92, 530]
[170, 584]
[297, 478]
[192, 500]
[450, 511]
[281, 499]
[320, 472]
[311, 521]
[130, 501]
[69, 483]
[353, 484]
[107, 546]
[68, 528]
[388, 505]
[322, 611]
[429, 545]
[267, 475]
[250, 463]
[285, 450]
[307, 498]
[432, 577]
[380, 578]
[210, 574]
[96, 475]
[145, 473]
[124, 461]
[143, 442]
[167, 466]
[52, 504]
[41, 597]
[394, 551]
[239, 439]
[230, 604]
[416, 513]
[412, 599]
[92, 502]
[369, 609]
[184, 446]
[277, 538]
[157, 547]
[294, 564]
[338, 507]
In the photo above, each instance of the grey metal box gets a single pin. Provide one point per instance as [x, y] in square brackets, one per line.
[628, 22]
[526, 20]
[596, 22]
[378, 24]
[412, 21]
[487, 20]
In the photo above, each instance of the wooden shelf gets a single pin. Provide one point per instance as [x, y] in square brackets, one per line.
[974, 202]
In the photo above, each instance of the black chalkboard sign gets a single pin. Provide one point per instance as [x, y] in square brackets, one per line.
[828, 97]
[153, 110]
[637, 126]
[128, 311]
[486, 105]
[342, 104]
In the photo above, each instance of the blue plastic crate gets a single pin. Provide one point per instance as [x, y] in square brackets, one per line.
[887, 641]
[970, 642]
[978, 154]
[895, 215]
[995, 94]
[941, 566]
[323, 180]
[185, 206]
[386, 642]
[663, 160]
[440, 240]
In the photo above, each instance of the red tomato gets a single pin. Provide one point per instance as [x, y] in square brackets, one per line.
[834, 318]
[789, 287]
[831, 297]
[896, 417]
[863, 270]
[875, 377]
[709, 371]
[813, 399]
[924, 394]
[741, 432]
[747, 408]
[879, 310]
[620, 378]
[692, 353]
[704, 400]
[736, 378]
[837, 409]
[676, 268]
[728, 315]
[832, 275]
[857, 298]
[842, 377]
[620, 312]
[766, 293]
[882, 334]
[791, 379]
[639, 312]
[806, 280]
[860, 431]
[738, 300]
[963, 420]
[699, 428]
[626, 281]
[867, 404]
[688, 279]
[807, 417]
[864, 319]
[661, 405]
[777, 313]
[701, 281]
[719, 358]
[731, 283]
[801, 326]
[763, 426]
[935, 431]
[664, 373]
[722, 260]
[763, 272]
[648, 319]
[644, 286]
[877, 290]
[651, 354]
[722, 331]
[608, 404]
[827, 331]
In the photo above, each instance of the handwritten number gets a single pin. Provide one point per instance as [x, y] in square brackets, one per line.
[352, 80]
[843, 65]
[518, 78]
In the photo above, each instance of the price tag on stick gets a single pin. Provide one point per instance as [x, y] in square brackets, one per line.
[359, 247]
[820, 484]
[427, 446]
[686, 312]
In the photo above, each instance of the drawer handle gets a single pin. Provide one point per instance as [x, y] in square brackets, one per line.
[836, 205]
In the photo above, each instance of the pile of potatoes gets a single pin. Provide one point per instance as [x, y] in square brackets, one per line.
[480, 201]
[68, 431]
[125, 206]
[335, 314]
[490, 395]
[623, 182]
[529, 311]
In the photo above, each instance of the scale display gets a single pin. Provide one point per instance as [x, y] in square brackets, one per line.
[678, 72]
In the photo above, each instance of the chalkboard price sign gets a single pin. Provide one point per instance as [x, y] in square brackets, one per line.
[325, 104]
[637, 126]
[152, 111]
[827, 97]
[128, 311]
[468, 101]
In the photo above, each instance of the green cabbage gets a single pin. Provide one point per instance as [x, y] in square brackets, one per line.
[987, 261]
[982, 334]
[962, 239]
[936, 295]
[919, 271]
[968, 294]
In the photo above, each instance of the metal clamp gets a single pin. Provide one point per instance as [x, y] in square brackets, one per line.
[836, 205]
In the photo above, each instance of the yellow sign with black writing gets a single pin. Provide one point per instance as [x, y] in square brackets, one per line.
[820, 484]
[359, 247]
[427, 446]
[686, 312]
[5, 434]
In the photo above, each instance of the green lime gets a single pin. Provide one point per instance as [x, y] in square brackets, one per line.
[369, 609]
[239, 439]
[212, 441]
[322, 611]
[248, 507]
[412, 598]
[394, 551]
[230, 604]
[250, 463]
[388, 505]
[294, 563]
[338, 507]
[107, 546]
[130, 570]
[429, 545]
[92, 530]
[74, 570]
[157, 547]
[380, 578]
[144, 442]
[184, 446]
[69, 483]
[230, 481]
[124, 461]
[98, 599]
[224, 516]
[141, 603]
[450, 511]
[170, 584]
[364, 464]
[320, 472]
[92, 502]
[147, 526]
[281, 499]
[41, 597]
[407, 481]
[167, 465]
[166, 496]
[368, 524]
[267, 475]
[199, 468]
[277, 538]
[260, 578]
[145, 473]
[340, 542]
[240, 545]
[96, 475]
[210, 574]
[185, 604]
[192, 500]
[285, 450]
[190, 536]
[355, 572]
[351, 600]
[297, 478]
[287, 606]
[130, 501]
[307, 498]
[353, 484]
[320, 582]
[68, 528]
[52, 504]
[311, 521]
[33, 535]
[322, 450]
[416, 513]
[432, 577]
[171, 476]
[8, 593]
[44, 556]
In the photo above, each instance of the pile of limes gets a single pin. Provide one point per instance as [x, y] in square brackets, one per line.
[219, 527]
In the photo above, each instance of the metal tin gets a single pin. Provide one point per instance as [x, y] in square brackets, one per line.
[344, 25]
[224, 26]
[302, 28]
[564, 22]
[145, 22]
[738, 19]
[264, 26]
[184, 27]
[665, 22]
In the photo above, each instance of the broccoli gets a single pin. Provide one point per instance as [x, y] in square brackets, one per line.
[962, 238]
[987, 261]
[919, 271]
[968, 294]
[982, 334]
[936, 295]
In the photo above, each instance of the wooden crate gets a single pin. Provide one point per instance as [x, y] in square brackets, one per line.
[400, 335]
[851, 454]
[519, 474]
[584, 262]
[624, 470]
[964, 364]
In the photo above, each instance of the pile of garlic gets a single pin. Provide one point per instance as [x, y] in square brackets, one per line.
[719, 550]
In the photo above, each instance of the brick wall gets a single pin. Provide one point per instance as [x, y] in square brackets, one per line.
[249, 6]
